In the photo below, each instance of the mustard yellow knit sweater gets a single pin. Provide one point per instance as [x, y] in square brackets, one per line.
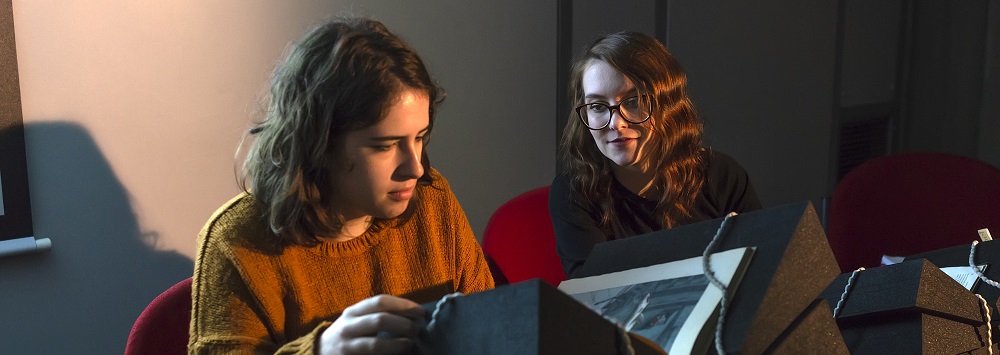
[254, 295]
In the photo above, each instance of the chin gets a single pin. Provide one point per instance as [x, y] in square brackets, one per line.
[622, 162]
[624, 159]
[394, 211]
[621, 158]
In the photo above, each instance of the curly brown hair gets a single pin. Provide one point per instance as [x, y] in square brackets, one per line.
[342, 76]
[674, 147]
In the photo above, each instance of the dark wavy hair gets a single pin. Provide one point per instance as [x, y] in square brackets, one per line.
[342, 76]
[675, 131]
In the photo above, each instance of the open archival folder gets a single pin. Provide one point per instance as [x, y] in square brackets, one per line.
[671, 304]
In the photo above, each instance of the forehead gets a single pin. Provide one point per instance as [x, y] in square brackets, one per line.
[409, 113]
[600, 79]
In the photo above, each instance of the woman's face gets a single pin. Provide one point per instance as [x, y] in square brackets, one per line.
[383, 161]
[621, 142]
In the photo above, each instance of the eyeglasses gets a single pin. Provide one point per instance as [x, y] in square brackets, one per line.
[597, 115]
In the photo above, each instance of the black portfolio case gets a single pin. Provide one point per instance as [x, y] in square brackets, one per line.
[987, 253]
[813, 332]
[529, 317]
[791, 265]
[908, 308]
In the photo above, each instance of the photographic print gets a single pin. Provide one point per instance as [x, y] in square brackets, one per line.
[671, 304]
[656, 310]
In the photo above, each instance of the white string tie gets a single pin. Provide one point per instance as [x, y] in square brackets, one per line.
[437, 309]
[972, 264]
[989, 327]
[847, 289]
[707, 269]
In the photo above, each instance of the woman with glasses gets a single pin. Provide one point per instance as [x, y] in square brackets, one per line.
[632, 152]
[343, 214]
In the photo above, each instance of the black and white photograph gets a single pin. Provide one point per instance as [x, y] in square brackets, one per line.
[656, 310]
[671, 304]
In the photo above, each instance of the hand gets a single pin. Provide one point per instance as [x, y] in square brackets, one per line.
[357, 330]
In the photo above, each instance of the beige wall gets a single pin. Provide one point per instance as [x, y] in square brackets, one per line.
[165, 90]
[133, 111]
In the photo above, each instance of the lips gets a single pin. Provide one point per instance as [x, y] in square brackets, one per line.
[621, 141]
[401, 195]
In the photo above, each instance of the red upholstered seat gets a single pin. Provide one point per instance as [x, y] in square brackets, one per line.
[911, 203]
[520, 240]
[162, 328]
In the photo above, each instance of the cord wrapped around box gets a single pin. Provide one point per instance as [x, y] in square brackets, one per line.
[792, 264]
[987, 253]
[529, 317]
[908, 308]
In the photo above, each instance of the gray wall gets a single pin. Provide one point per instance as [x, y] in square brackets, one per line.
[133, 112]
[947, 76]
[933, 66]
[989, 128]
[761, 73]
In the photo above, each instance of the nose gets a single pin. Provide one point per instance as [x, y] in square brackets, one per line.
[617, 122]
[410, 167]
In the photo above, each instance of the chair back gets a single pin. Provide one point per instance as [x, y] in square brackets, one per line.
[519, 238]
[162, 328]
[911, 203]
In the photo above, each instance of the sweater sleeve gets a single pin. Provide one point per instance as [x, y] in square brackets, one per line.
[576, 231]
[227, 317]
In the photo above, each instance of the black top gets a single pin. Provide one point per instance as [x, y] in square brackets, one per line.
[727, 188]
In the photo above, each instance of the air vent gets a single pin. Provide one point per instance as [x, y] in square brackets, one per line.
[860, 141]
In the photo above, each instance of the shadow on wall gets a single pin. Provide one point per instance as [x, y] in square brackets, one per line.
[85, 294]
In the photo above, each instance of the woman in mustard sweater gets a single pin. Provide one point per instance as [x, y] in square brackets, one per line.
[343, 214]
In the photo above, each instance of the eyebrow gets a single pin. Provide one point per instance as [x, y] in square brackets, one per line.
[628, 93]
[396, 138]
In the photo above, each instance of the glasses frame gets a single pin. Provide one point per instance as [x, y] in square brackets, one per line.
[611, 112]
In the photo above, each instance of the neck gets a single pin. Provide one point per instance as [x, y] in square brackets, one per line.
[637, 180]
[353, 228]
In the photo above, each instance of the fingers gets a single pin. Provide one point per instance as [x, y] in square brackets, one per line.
[376, 345]
[367, 346]
[377, 325]
[381, 313]
[385, 303]
[371, 324]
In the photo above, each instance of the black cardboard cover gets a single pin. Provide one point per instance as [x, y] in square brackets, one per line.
[986, 253]
[791, 265]
[814, 332]
[913, 333]
[916, 285]
[912, 307]
[529, 317]
[985, 350]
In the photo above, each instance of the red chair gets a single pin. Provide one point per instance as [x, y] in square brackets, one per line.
[911, 203]
[520, 240]
[162, 328]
